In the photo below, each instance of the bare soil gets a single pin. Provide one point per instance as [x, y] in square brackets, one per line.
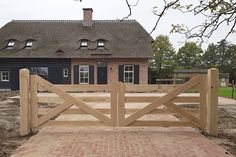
[9, 124]
[227, 128]
[226, 137]
[10, 138]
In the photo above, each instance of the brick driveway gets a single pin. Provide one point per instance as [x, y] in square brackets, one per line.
[74, 141]
[63, 141]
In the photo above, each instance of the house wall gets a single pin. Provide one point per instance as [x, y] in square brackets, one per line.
[55, 67]
[112, 68]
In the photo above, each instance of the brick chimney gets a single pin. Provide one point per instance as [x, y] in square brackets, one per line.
[88, 16]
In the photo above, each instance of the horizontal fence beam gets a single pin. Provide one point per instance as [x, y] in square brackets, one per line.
[56, 99]
[152, 98]
[149, 88]
[137, 99]
[74, 123]
[162, 123]
[78, 88]
[161, 88]
[127, 111]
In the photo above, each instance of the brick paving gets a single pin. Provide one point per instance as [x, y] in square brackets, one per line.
[72, 141]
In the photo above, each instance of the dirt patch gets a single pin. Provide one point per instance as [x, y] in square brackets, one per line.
[10, 138]
[227, 127]
[9, 124]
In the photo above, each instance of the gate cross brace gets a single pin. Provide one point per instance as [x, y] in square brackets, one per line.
[72, 100]
[163, 100]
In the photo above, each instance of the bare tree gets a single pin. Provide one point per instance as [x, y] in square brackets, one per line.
[215, 12]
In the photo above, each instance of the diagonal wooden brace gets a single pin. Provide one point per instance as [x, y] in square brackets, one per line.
[159, 101]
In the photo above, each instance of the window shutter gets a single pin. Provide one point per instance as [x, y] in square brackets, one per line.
[121, 73]
[136, 74]
[76, 74]
[91, 74]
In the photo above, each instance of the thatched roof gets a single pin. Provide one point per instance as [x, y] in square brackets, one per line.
[61, 39]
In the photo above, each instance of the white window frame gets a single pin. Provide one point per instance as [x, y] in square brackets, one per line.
[10, 44]
[128, 73]
[3, 78]
[65, 72]
[84, 73]
[29, 44]
[84, 43]
[101, 43]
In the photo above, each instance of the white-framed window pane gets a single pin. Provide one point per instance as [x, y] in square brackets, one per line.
[65, 72]
[5, 76]
[129, 74]
[84, 74]
[101, 43]
[10, 44]
[130, 80]
[41, 71]
[29, 44]
[84, 68]
[84, 43]
[86, 80]
[126, 80]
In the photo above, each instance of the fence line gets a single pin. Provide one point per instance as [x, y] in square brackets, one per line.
[206, 117]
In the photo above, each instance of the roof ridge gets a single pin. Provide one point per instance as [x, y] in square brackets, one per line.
[129, 20]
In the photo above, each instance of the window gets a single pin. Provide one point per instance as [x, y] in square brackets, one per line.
[10, 44]
[29, 44]
[84, 44]
[101, 43]
[65, 72]
[84, 74]
[5, 76]
[101, 64]
[41, 71]
[128, 74]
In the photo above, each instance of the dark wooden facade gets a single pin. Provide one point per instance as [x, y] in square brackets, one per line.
[55, 70]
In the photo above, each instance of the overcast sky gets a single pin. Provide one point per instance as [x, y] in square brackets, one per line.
[102, 10]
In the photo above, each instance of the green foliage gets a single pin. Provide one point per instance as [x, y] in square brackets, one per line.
[163, 63]
[209, 58]
[189, 56]
[226, 92]
[222, 56]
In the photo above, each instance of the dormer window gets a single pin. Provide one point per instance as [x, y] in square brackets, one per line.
[29, 44]
[10, 44]
[101, 43]
[84, 44]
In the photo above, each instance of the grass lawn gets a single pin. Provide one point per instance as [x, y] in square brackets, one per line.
[227, 92]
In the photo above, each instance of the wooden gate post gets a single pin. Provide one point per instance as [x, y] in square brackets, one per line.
[114, 107]
[121, 104]
[33, 103]
[24, 102]
[212, 101]
[203, 101]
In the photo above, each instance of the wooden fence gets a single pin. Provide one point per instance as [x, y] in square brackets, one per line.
[119, 96]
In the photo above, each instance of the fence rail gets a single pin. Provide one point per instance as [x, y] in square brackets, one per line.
[120, 97]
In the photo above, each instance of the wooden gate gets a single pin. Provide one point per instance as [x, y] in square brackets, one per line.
[119, 96]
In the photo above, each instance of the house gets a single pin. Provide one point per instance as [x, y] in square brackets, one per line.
[75, 51]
